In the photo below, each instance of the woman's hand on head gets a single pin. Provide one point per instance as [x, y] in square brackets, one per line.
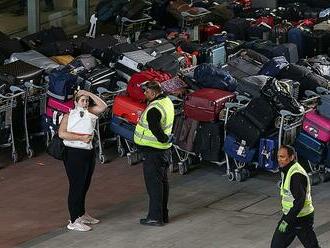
[83, 93]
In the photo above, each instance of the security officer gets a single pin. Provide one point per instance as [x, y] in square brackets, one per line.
[297, 207]
[153, 136]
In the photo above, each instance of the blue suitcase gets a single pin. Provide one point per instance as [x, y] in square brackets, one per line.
[238, 150]
[304, 41]
[122, 128]
[268, 154]
[310, 149]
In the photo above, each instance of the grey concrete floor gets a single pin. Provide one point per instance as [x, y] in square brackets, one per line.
[206, 210]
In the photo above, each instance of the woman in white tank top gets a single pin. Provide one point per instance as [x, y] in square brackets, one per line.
[76, 130]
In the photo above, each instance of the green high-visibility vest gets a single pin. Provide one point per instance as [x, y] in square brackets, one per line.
[143, 135]
[287, 197]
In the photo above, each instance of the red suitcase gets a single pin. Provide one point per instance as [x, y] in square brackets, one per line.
[205, 31]
[128, 108]
[205, 104]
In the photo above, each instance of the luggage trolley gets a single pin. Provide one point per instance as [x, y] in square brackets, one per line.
[103, 121]
[190, 23]
[7, 104]
[239, 173]
[133, 28]
[34, 103]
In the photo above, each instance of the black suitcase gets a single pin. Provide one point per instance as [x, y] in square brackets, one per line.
[251, 86]
[242, 128]
[43, 37]
[113, 54]
[3, 36]
[7, 47]
[321, 41]
[56, 48]
[237, 27]
[256, 111]
[209, 140]
[98, 45]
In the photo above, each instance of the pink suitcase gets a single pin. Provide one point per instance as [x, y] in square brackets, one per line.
[317, 126]
[58, 106]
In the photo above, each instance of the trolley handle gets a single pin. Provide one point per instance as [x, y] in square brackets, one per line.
[242, 98]
[13, 89]
[231, 105]
[145, 18]
[28, 84]
[284, 113]
[187, 14]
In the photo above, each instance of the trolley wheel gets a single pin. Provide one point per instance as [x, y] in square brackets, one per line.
[102, 158]
[240, 175]
[14, 157]
[325, 176]
[231, 176]
[121, 151]
[183, 168]
[171, 168]
[30, 153]
[130, 159]
[314, 178]
[246, 173]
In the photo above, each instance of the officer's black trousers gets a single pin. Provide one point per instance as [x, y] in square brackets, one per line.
[155, 167]
[303, 230]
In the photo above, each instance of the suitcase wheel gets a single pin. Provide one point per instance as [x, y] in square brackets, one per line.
[183, 168]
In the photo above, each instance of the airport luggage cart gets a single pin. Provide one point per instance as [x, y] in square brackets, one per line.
[34, 104]
[133, 28]
[7, 104]
[103, 121]
[239, 172]
[190, 23]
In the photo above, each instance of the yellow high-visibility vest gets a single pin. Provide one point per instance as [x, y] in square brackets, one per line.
[143, 135]
[287, 197]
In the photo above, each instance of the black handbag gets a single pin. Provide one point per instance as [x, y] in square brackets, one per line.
[56, 147]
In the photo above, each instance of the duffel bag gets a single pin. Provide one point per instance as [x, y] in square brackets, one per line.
[210, 76]
[61, 84]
